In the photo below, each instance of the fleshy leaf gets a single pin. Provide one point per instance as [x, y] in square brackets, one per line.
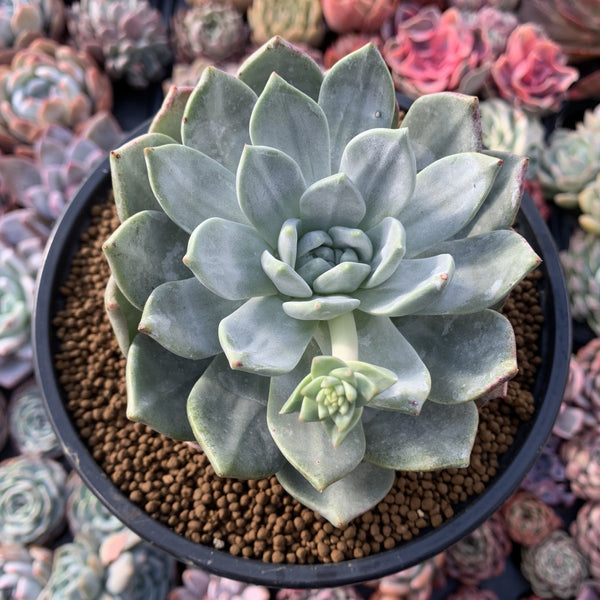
[380, 343]
[341, 279]
[158, 385]
[285, 279]
[320, 308]
[217, 116]
[443, 124]
[287, 242]
[281, 57]
[381, 163]
[123, 316]
[503, 259]
[130, 182]
[192, 187]
[260, 338]
[240, 447]
[287, 119]
[415, 283]
[440, 437]
[345, 499]
[145, 251]
[467, 355]
[334, 200]
[170, 115]
[448, 194]
[225, 256]
[307, 445]
[357, 94]
[389, 246]
[501, 204]
[183, 317]
[269, 186]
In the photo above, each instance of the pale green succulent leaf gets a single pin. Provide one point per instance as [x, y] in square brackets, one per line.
[239, 447]
[261, 338]
[169, 117]
[307, 445]
[443, 124]
[122, 315]
[341, 279]
[448, 194]
[487, 267]
[320, 308]
[356, 239]
[129, 177]
[357, 94]
[502, 202]
[217, 117]
[308, 410]
[145, 251]
[289, 62]
[344, 500]
[380, 343]
[468, 355]
[158, 384]
[340, 426]
[225, 257]
[192, 187]
[290, 121]
[183, 317]
[323, 365]
[380, 377]
[284, 278]
[388, 239]
[269, 187]
[414, 284]
[312, 268]
[334, 200]
[297, 398]
[287, 243]
[382, 164]
[440, 437]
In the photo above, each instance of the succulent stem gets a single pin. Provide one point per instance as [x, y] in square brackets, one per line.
[344, 340]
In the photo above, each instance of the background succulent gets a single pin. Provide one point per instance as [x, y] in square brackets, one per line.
[128, 38]
[582, 458]
[24, 571]
[366, 16]
[24, 20]
[585, 529]
[301, 265]
[589, 203]
[48, 83]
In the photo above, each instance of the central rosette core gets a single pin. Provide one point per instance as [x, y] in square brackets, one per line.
[335, 261]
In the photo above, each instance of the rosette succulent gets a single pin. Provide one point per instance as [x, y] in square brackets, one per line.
[23, 571]
[310, 286]
[127, 37]
[589, 203]
[23, 20]
[586, 531]
[366, 16]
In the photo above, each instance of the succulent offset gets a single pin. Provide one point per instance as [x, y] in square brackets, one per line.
[295, 274]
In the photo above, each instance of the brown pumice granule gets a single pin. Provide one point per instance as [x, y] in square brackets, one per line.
[175, 483]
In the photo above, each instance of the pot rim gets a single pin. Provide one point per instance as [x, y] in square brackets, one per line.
[514, 464]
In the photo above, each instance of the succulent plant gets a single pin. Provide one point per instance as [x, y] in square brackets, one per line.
[471, 592]
[585, 529]
[581, 263]
[305, 288]
[300, 22]
[346, 592]
[574, 25]
[532, 73]
[24, 20]
[3, 421]
[222, 588]
[32, 504]
[128, 38]
[76, 572]
[48, 83]
[86, 514]
[346, 44]
[478, 5]
[364, 16]
[23, 571]
[505, 127]
[415, 583]
[581, 455]
[61, 160]
[434, 51]
[589, 203]
[527, 519]
[568, 163]
[30, 428]
[481, 554]
[212, 30]
[555, 567]
[493, 26]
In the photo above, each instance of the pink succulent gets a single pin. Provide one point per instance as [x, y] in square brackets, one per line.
[532, 72]
[365, 16]
[582, 458]
[434, 52]
[471, 592]
[347, 43]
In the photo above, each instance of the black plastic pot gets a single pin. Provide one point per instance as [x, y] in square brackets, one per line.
[514, 465]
